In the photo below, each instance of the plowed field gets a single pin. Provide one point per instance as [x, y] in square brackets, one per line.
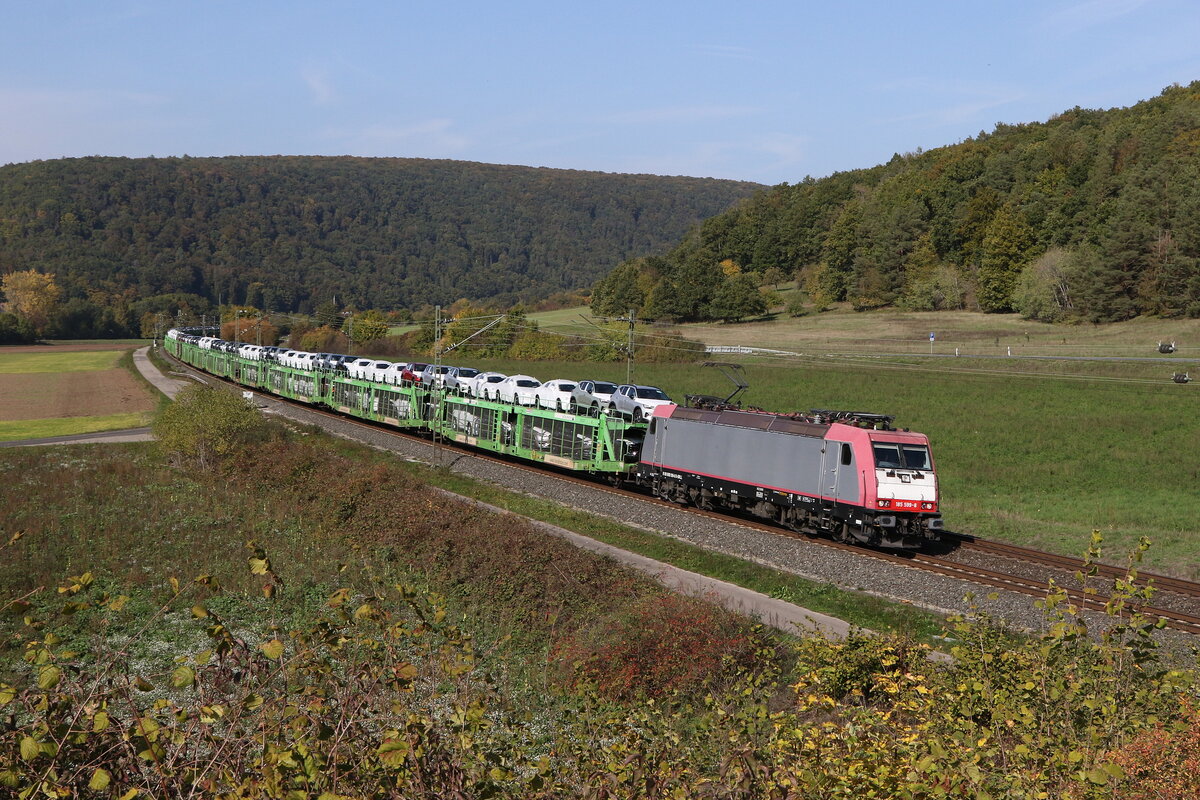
[35, 392]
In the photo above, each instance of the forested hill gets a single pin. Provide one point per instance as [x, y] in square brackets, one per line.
[1092, 215]
[287, 233]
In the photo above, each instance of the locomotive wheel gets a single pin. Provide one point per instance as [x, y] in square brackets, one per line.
[786, 520]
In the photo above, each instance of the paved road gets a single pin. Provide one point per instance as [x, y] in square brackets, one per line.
[818, 352]
[130, 435]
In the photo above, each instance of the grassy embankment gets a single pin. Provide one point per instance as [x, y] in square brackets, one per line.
[1034, 451]
[335, 522]
[338, 517]
[75, 383]
[508, 663]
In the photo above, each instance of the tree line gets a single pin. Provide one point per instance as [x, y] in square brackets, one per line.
[287, 234]
[1091, 215]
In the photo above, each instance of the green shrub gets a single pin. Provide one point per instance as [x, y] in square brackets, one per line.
[205, 425]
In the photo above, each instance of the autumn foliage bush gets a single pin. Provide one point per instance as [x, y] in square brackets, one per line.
[1162, 763]
[657, 645]
[205, 425]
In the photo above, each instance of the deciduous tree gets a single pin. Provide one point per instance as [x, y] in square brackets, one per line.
[1044, 289]
[737, 298]
[32, 295]
[365, 327]
[204, 425]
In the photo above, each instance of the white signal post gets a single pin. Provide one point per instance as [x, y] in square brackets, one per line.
[931, 338]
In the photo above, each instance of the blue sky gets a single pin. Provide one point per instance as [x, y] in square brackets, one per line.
[762, 91]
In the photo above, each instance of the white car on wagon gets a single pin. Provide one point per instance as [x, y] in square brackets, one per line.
[637, 402]
[517, 389]
[563, 395]
[484, 384]
[602, 391]
[458, 379]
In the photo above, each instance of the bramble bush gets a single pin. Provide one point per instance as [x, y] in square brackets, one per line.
[658, 645]
[1162, 763]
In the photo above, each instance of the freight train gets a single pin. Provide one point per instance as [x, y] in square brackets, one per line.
[847, 475]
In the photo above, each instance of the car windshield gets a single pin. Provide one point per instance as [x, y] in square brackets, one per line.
[528, 384]
[566, 387]
[467, 372]
[889, 455]
[650, 393]
[495, 378]
[600, 387]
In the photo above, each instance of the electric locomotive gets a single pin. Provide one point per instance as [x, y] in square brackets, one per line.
[846, 474]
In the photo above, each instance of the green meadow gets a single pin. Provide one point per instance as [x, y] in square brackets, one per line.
[72, 361]
[1036, 451]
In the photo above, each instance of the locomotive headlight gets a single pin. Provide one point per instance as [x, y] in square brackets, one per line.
[881, 503]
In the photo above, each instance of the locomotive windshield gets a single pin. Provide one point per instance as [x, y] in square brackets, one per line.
[889, 455]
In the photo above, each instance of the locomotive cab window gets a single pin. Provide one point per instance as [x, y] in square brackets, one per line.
[845, 455]
[895, 456]
[887, 456]
[916, 456]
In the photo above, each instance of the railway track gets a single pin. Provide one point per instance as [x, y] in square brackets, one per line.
[1164, 583]
[1094, 599]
